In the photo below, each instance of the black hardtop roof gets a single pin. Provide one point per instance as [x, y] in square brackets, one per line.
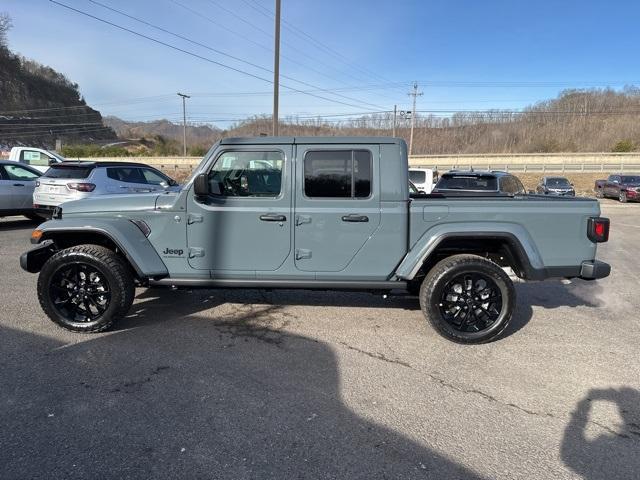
[307, 140]
[97, 163]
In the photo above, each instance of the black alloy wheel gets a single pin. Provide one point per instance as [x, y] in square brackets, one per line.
[79, 292]
[471, 302]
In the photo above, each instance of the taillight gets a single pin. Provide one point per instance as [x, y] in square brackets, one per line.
[82, 187]
[598, 229]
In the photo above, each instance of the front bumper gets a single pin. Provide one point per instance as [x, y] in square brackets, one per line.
[33, 260]
[594, 269]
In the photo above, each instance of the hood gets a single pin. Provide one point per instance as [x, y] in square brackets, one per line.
[111, 203]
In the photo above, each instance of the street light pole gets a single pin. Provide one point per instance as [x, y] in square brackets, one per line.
[276, 70]
[184, 123]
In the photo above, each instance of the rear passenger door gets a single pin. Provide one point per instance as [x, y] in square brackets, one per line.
[337, 206]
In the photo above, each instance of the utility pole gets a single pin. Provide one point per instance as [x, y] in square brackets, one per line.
[415, 94]
[184, 123]
[276, 69]
[395, 112]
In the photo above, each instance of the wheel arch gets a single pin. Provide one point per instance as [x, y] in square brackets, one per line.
[506, 248]
[120, 235]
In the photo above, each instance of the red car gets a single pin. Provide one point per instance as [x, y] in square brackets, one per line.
[624, 187]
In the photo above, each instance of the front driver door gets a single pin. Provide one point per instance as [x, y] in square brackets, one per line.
[244, 226]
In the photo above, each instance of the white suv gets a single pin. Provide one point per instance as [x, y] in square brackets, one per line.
[75, 180]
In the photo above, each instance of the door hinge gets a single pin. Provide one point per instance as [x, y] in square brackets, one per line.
[302, 253]
[194, 218]
[196, 252]
[302, 219]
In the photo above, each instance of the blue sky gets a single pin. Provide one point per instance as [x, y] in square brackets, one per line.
[465, 54]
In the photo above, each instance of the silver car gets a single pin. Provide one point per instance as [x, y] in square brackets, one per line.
[17, 183]
[76, 180]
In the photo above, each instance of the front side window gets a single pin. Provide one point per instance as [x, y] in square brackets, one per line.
[247, 174]
[19, 173]
[153, 178]
[337, 173]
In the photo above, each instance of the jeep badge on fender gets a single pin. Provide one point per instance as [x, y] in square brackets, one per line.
[174, 252]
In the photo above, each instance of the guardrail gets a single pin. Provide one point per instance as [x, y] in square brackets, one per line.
[570, 162]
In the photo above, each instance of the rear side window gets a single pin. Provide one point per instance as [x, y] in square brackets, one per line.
[337, 173]
[68, 171]
[417, 176]
[152, 177]
[471, 182]
[126, 174]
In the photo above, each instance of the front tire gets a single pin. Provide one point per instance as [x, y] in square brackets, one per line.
[468, 299]
[86, 288]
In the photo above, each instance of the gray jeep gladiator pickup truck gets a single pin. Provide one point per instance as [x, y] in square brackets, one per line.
[328, 213]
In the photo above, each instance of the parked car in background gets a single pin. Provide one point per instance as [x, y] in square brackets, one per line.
[555, 186]
[67, 181]
[479, 182]
[423, 178]
[17, 183]
[38, 158]
[624, 187]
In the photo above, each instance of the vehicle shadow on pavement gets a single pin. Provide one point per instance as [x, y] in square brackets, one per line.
[599, 452]
[153, 302]
[21, 224]
[192, 400]
[549, 295]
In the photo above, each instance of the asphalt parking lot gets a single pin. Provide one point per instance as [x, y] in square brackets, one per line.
[287, 384]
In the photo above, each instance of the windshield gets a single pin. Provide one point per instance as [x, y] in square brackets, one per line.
[557, 182]
[630, 178]
[471, 182]
[417, 176]
[68, 171]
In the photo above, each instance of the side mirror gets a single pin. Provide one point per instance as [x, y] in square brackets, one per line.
[52, 161]
[172, 182]
[201, 185]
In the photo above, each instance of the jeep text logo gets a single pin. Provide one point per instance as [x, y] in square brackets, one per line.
[171, 251]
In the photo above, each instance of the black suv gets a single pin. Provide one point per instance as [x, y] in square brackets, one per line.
[479, 182]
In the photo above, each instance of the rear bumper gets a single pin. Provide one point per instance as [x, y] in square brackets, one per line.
[595, 269]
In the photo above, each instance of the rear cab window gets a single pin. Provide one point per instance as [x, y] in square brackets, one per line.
[338, 173]
[33, 157]
[417, 176]
[485, 183]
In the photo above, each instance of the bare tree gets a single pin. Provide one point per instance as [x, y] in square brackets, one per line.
[5, 26]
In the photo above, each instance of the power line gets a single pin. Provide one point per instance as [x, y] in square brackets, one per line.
[173, 47]
[317, 43]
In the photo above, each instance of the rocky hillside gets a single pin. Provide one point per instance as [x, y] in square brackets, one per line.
[39, 105]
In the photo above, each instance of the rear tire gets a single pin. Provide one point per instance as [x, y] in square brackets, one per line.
[622, 197]
[468, 299]
[86, 288]
[599, 193]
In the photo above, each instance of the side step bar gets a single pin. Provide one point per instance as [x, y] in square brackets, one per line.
[290, 284]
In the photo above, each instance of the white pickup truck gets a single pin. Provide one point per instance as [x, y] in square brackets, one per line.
[38, 158]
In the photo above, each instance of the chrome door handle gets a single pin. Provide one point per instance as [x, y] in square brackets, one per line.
[271, 217]
[355, 218]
